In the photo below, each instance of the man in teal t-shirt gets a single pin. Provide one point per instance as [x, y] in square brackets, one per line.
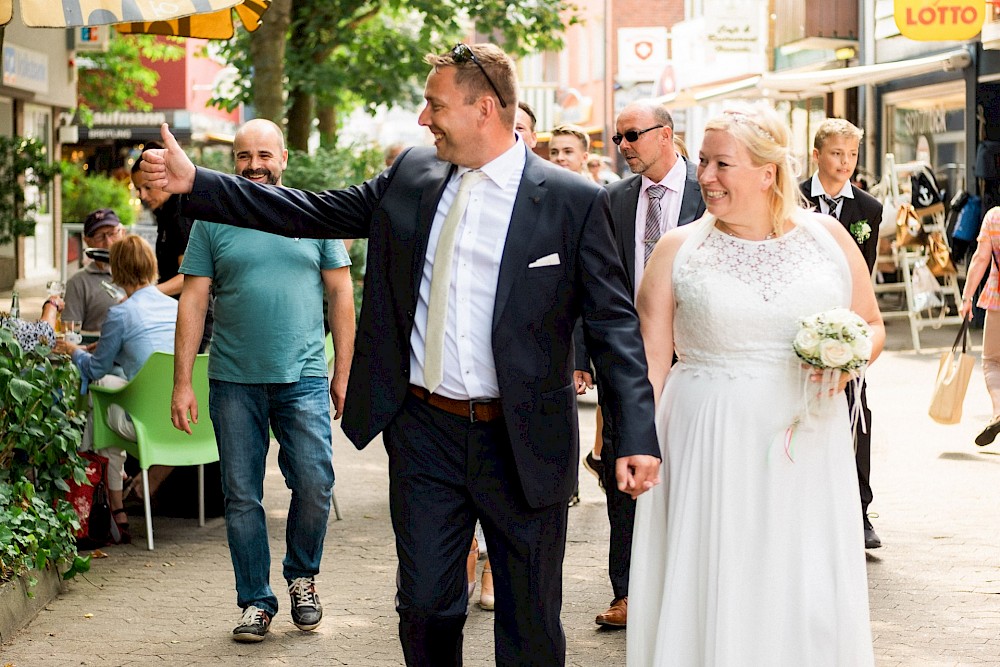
[267, 368]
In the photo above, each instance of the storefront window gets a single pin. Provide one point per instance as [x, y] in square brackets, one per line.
[928, 125]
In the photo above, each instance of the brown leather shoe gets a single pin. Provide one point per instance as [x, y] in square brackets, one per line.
[616, 615]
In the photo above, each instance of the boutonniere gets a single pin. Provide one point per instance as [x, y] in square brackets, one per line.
[861, 230]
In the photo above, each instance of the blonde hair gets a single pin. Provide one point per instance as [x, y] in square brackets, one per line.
[133, 262]
[836, 127]
[568, 130]
[759, 129]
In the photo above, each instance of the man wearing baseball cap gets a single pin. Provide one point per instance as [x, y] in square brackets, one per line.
[86, 300]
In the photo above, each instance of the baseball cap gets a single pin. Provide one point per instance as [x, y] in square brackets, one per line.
[102, 217]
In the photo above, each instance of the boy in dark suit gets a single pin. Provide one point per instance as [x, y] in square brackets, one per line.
[835, 151]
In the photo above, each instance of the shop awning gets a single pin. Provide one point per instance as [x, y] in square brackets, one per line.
[809, 84]
[800, 85]
[74, 13]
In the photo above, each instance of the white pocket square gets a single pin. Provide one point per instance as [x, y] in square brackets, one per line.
[548, 260]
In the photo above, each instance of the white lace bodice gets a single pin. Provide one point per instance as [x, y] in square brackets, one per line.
[738, 301]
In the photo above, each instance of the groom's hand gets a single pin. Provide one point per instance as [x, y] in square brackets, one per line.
[168, 169]
[637, 474]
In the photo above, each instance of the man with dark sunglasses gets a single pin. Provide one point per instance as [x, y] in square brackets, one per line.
[645, 137]
[481, 258]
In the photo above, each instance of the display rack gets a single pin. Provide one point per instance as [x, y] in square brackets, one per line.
[905, 259]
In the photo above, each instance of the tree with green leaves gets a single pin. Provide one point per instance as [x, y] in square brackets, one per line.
[340, 55]
[117, 79]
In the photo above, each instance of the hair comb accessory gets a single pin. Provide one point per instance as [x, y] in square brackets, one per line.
[741, 118]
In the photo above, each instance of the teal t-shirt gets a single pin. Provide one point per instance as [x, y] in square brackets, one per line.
[268, 301]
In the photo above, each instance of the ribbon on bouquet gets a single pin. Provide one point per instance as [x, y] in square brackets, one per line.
[831, 378]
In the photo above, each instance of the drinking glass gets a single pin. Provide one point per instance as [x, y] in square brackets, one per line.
[72, 331]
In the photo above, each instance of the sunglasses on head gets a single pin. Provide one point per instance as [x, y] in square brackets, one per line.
[632, 135]
[461, 54]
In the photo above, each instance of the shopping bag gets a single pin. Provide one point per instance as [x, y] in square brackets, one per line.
[970, 219]
[925, 194]
[90, 501]
[939, 256]
[927, 292]
[909, 228]
[954, 371]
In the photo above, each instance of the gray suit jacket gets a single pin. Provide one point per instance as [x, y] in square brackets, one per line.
[624, 203]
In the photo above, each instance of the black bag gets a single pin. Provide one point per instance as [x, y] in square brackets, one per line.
[925, 196]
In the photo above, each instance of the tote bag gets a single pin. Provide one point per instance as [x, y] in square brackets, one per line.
[954, 371]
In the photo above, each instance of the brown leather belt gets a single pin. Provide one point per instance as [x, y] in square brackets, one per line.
[475, 409]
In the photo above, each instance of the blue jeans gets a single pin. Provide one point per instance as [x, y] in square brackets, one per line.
[299, 415]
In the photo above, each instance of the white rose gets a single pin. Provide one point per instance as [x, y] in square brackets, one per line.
[807, 342]
[862, 347]
[835, 353]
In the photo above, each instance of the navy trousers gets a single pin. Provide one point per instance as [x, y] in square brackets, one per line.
[444, 473]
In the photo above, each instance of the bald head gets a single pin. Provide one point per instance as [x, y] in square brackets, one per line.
[259, 152]
[650, 150]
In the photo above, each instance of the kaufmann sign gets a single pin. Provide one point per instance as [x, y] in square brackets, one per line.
[25, 69]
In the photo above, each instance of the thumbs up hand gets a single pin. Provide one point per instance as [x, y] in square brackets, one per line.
[168, 169]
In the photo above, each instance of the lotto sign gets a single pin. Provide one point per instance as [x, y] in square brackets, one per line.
[940, 20]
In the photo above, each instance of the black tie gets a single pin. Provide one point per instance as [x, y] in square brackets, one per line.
[833, 203]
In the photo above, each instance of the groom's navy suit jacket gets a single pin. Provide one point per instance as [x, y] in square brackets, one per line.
[555, 212]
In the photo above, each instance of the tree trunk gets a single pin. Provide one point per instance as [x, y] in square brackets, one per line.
[267, 52]
[327, 115]
[300, 117]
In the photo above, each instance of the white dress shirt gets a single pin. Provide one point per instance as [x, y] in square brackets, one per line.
[670, 210]
[818, 192]
[469, 370]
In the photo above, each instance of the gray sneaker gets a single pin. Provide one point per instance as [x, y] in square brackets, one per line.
[307, 612]
[253, 625]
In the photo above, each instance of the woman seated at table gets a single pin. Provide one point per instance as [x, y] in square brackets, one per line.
[142, 324]
[42, 332]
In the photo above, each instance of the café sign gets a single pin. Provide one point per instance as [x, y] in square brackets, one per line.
[939, 20]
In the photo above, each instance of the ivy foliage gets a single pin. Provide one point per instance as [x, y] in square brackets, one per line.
[25, 169]
[39, 440]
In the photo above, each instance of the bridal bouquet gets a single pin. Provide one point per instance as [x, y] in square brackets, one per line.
[835, 339]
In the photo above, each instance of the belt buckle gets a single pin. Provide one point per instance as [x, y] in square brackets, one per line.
[472, 407]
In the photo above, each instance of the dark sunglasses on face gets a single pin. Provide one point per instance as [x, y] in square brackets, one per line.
[633, 135]
[461, 53]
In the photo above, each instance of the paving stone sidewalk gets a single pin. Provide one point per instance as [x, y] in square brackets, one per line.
[935, 586]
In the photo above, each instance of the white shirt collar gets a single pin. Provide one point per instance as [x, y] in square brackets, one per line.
[674, 180]
[817, 188]
[502, 167]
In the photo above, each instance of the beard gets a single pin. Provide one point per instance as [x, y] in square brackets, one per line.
[271, 178]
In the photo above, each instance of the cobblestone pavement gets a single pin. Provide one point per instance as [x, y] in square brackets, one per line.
[935, 585]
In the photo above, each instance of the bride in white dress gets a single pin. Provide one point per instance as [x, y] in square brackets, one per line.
[750, 551]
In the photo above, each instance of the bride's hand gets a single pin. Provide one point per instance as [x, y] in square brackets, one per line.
[637, 474]
[816, 375]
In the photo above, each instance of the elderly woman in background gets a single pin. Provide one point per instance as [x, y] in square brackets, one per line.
[142, 324]
[42, 332]
[750, 553]
[985, 259]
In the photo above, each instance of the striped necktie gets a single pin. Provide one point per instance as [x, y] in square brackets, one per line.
[832, 203]
[653, 217]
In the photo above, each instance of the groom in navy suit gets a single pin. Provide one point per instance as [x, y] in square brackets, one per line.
[474, 418]
[835, 151]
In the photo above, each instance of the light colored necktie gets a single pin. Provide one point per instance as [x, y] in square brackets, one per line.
[653, 217]
[437, 307]
[832, 203]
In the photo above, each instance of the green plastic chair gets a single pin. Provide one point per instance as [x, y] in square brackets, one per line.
[146, 399]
